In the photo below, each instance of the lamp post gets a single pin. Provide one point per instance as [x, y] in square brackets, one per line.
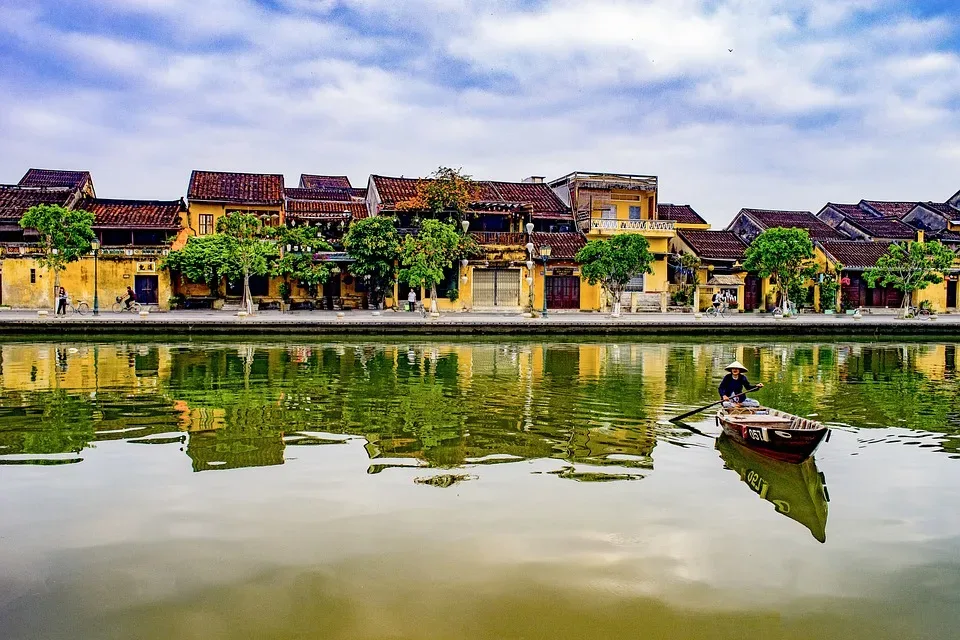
[545, 252]
[95, 247]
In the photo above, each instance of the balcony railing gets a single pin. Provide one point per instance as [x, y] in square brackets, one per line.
[604, 224]
[499, 237]
[25, 249]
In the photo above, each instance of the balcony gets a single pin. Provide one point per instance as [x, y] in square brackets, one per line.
[499, 237]
[652, 227]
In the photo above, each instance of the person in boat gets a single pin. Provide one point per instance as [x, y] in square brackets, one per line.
[733, 384]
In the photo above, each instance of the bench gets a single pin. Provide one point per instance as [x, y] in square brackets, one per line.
[198, 302]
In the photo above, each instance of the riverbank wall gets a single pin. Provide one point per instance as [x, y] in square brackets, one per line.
[293, 324]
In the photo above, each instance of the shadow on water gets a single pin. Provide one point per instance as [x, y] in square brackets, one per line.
[597, 406]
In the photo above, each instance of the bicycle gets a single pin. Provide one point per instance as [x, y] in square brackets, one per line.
[917, 312]
[80, 308]
[120, 306]
[422, 310]
[718, 312]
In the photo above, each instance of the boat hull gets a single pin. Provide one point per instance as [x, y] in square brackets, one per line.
[780, 442]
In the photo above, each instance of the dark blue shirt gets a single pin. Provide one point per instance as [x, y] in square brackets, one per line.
[731, 386]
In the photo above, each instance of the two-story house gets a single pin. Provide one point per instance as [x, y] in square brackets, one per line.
[862, 222]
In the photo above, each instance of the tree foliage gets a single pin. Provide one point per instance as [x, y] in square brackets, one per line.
[614, 262]
[65, 235]
[299, 263]
[911, 267]
[783, 255]
[250, 250]
[206, 259]
[426, 255]
[447, 191]
[374, 245]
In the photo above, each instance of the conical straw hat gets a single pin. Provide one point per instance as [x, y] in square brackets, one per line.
[736, 365]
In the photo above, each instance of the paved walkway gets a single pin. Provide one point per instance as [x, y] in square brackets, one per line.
[368, 322]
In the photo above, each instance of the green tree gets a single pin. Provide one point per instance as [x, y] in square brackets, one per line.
[374, 245]
[688, 266]
[65, 236]
[298, 263]
[447, 191]
[250, 249]
[614, 262]
[426, 255]
[911, 267]
[206, 259]
[783, 255]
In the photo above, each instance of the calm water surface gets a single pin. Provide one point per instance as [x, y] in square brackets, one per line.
[471, 490]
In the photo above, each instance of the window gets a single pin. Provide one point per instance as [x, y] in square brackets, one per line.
[609, 212]
[33, 276]
[206, 224]
[635, 213]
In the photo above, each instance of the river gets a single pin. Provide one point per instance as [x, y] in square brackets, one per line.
[472, 489]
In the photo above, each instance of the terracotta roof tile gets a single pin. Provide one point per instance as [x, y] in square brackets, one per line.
[682, 213]
[134, 214]
[855, 254]
[885, 228]
[851, 211]
[538, 197]
[889, 209]
[15, 200]
[359, 192]
[948, 211]
[713, 245]
[55, 178]
[309, 181]
[818, 229]
[331, 195]
[564, 246]
[322, 210]
[253, 188]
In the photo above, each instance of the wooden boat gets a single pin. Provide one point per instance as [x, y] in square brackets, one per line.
[797, 491]
[776, 434]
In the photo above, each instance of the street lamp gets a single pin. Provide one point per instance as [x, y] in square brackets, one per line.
[95, 247]
[529, 228]
[530, 281]
[545, 252]
[465, 224]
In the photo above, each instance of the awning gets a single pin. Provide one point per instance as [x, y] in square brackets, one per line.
[724, 280]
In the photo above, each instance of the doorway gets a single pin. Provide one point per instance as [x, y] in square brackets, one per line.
[146, 288]
[496, 288]
[563, 292]
[951, 294]
[751, 293]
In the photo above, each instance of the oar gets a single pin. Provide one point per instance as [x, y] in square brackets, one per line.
[712, 404]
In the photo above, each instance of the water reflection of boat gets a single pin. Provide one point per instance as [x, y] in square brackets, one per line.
[797, 491]
[777, 434]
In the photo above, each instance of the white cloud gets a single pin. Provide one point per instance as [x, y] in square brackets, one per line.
[817, 101]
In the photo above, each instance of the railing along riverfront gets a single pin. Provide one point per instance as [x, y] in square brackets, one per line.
[603, 224]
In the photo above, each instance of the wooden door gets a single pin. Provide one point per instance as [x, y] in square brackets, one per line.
[751, 293]
[951, 293]
[146, 289]
[563, 292]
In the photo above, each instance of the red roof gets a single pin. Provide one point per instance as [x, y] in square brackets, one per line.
[818, 229]
[888, 209]
[855, 254]
[134, 214]
[322, 210]
[713, 245]
[537, 197]
[564, 246]
[15, 200]
[682, 213]
[308, 181]
[253, 188]
[332, 195]
[359, 192]
[945, 209]
[885, 228]
[55, 178]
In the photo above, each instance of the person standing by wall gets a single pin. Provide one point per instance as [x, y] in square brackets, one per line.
[62, 302]
[412, 300]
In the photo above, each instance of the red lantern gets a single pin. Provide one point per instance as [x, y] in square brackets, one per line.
[845, 280]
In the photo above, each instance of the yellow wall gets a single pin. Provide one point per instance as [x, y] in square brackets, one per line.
[191, 219]
[115, 274]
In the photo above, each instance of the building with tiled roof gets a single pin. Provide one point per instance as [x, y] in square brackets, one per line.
[57, 178]
[888, 209]
[938, 221]
[854, 254]
[854, 257]
[749, 223]
[235, 188]
[563, 246]
[682, 214]
[711, 246]
[15, 200]
[310, 181]
[135, 214]
[860, 223]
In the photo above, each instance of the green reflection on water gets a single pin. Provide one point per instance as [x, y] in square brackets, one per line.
[240, 404]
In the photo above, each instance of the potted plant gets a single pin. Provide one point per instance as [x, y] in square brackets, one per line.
[828, 294]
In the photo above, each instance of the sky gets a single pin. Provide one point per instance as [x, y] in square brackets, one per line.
[781, 104]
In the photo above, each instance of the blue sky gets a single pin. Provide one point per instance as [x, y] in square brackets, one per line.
[819, 100]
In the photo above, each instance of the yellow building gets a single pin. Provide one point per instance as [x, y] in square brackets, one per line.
[132, 236]
[721, 255]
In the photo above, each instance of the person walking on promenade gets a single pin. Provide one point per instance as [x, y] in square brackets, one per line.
[733, 384]
[61, 302]
[412, 300]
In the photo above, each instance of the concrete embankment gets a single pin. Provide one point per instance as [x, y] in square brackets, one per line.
[18, 324]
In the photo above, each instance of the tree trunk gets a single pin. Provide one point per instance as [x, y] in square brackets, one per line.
[247, 298]
[433, 299]
[616, 303]
[56, 289]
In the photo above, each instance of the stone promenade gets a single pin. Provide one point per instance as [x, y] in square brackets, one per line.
[19, 323]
